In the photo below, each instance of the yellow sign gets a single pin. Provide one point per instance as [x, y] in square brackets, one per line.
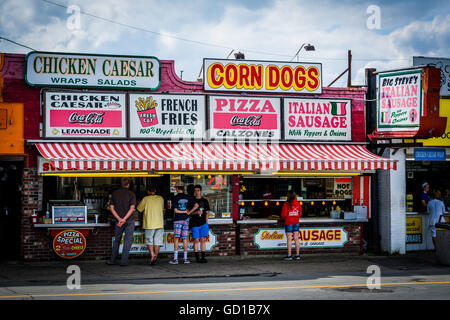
[444, 140]
[414, 230]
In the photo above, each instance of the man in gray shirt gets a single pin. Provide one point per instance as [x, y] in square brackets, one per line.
[123, 202]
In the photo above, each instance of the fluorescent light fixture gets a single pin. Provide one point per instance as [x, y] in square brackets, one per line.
[100, 174]
[205, 172]
[292, 173]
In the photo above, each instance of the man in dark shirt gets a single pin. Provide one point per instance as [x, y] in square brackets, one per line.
[123, 202]
[183, 206]
[199, 224]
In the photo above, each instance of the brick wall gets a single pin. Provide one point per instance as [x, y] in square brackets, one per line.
[35, 242]
[248, 247]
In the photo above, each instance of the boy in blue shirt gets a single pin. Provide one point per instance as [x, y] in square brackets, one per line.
[183, 206]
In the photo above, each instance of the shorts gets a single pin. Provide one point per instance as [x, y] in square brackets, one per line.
[181, 229]
[433, 231]
[292, 227]
[154, 237]
[201, 231]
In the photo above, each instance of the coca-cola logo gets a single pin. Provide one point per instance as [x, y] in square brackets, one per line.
[249, 121]
[90, 118]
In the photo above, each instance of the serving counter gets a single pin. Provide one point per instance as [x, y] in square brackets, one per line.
[418, 233]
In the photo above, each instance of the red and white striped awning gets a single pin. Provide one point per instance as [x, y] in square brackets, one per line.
[209, 157]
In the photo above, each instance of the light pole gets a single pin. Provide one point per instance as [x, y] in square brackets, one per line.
[308, 47]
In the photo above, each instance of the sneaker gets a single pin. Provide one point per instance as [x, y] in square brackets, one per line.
[297, 257]
[186, 261]
[203, 260]
[288, 258]
[173, 262]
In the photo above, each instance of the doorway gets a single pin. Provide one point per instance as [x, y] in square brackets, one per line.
[10, 208]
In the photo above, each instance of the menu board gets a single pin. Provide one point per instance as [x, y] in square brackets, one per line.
[244, 118]
[399, 100]
[317, 119]
[167, 116]
[84, 115]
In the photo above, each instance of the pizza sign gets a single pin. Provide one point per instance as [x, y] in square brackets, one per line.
[69, 244]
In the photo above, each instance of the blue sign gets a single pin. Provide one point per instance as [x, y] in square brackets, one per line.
[428, 154]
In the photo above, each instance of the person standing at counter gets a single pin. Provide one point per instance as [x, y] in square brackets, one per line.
[291, 213]
[123, 203]
[153, 221]
[435, 208]
[199, 224]
[181, 204]
[424, 197]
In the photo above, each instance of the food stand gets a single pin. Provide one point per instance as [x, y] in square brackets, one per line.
[288, 135]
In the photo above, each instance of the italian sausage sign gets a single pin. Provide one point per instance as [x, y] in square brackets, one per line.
[399, 100]
[317, 119]
[244, 118]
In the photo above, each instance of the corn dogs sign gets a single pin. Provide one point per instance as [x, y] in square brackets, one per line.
[261, 76]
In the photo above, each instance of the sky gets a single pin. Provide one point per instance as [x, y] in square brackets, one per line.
[380, 34]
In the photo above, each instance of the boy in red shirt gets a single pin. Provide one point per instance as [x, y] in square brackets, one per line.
[291, 213]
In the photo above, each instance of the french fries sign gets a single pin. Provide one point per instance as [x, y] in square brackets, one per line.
[261, 76]
[167, 116]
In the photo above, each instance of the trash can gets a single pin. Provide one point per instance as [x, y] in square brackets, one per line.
[443, 242]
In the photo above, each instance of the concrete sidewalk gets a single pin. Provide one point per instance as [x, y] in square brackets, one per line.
[55, 272]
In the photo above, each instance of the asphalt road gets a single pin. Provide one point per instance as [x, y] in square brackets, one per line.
[405, 285]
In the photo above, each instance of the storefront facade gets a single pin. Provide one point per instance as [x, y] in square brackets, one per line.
[245, 151]
[411, 127]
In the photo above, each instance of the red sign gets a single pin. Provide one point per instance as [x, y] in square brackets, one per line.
[69, 244]
[244, 118]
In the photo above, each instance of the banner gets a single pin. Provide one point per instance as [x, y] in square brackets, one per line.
[244, 117]
[140, 247]
[262, 76]
[84, 115]
[167, 116]
[309, 238]
[399, 104]
[317, 119]
[49, 69]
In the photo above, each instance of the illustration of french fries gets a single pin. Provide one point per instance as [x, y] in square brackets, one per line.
[147, 104]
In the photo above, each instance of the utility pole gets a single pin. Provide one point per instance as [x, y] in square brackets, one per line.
[349, 75]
